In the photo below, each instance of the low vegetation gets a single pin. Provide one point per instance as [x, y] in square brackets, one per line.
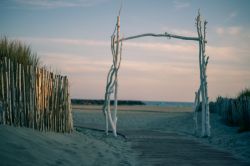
[244, 93]
[234, 111]
[17, 51]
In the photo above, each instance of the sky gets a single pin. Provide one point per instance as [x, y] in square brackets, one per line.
[73, 38]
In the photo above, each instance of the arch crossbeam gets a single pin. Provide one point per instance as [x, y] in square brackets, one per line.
[161, 35]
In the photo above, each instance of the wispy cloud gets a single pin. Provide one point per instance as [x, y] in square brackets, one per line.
[65, 41]
[72, 64]
[231, 16]
[179, 31]
[233, 30]
[169, 70]
[50, 4]
[184, 50]
[159, 46]
[87, 75]
[180, 4]
[166, 47]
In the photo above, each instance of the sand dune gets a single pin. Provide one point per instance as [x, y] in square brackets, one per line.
[26, 147]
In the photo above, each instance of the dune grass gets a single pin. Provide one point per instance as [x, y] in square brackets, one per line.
[17, 51]
[244, 93]
[234, 111]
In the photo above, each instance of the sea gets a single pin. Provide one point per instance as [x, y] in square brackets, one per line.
[168, 103]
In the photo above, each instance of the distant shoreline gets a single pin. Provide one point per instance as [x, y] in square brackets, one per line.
[101, 102]
[132, 102]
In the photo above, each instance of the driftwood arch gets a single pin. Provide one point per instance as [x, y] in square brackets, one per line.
[201, 95]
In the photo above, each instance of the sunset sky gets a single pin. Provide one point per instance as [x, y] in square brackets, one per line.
[73, 38]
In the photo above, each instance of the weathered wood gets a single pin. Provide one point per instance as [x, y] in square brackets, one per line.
[195, 110]
[112, 78]
[9, 95]
[16, 94]
[116, 76]
[12, 93]
[24, 120]
[29, 111]
[2, 70]
[35, 98]
[20, 105]
[160, 35]
[203, 61]
[112, 81]
[6, 107]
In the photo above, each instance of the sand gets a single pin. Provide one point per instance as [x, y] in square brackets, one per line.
[22, 146]
[26, 147]
[168, 119]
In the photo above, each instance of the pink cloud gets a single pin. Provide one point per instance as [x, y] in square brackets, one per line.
[66, 41]
[233, 30]
[176, 67]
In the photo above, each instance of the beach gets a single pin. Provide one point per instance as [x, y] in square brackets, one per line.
[27, 147]
[169, 119]
[88, 145]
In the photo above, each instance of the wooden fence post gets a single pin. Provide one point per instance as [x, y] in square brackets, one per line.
[34, 98]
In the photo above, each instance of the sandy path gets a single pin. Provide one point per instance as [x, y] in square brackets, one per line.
[159, 148]
[170, 120]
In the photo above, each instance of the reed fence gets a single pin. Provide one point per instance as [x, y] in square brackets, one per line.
[34, 97]
[234, 112]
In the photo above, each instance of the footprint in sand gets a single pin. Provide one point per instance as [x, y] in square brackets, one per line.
[69, 151]
[117, 155]
[100, 154]
[19, 147]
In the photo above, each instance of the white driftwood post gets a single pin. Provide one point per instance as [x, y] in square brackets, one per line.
[112, 78]
[112, 81]
[203, 61]
[195, 110]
